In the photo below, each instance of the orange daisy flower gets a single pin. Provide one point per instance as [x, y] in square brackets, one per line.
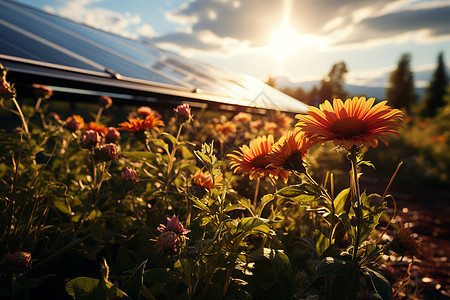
[289, 151]
[100, 128]
[252, 159]
[136, 125]
[353, 123]
[225, 129]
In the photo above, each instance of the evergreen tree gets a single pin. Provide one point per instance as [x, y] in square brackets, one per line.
[434, 96]
[400, 92]
[332, 86]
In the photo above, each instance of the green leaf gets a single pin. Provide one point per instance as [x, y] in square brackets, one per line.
[380, 284]
[331, 266]
[340, 200]
[204, 158]
[264, 200]
[246, 225]
[133, 285]
[246, 203]
[351, 230]
[86, 288]
[302, 193]
[321, 241]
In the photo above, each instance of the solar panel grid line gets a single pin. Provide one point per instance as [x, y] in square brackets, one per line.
[52, 65]
[60, 28]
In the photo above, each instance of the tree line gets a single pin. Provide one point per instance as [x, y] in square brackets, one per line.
[400, 91]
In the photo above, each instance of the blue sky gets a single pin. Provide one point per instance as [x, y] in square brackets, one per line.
[300, 39]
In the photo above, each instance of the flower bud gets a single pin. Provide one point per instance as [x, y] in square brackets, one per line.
[168, 242]
[53, 116]
[90, 139]
[145, 111]
[74, 123]
[6, 90]
[184, 111]
[106, 152]
[42, 91]
[112, 135]
[106, 101]
[129, 178]
[19, 259]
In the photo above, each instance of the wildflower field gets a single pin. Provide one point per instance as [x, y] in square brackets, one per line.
[186, 203]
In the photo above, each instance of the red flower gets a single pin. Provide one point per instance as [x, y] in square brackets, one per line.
[173, 225]
[106, 152]
[169, 242]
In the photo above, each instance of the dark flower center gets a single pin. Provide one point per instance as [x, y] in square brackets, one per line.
[260, 161]
[348, 127]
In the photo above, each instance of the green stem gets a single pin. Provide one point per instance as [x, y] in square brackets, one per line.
[99, 114]
[172, 154]
[188, 278]
[255, 197]
[357, 194]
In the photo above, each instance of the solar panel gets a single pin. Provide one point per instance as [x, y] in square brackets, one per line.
[49, 45]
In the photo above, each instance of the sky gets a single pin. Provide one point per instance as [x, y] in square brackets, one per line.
[298, 39]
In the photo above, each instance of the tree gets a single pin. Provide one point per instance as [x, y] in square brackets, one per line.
[332, 85]
[400, 92]
[271, 81]
[434, 96]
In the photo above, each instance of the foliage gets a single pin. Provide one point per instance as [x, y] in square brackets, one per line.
[159, 215]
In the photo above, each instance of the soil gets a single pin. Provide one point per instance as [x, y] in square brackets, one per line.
[426, 211]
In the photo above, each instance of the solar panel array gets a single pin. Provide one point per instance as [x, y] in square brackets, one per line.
[33, 37]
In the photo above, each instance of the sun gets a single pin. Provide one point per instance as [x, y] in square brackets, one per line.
[284, 42]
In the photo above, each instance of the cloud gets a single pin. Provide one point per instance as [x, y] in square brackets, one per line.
[344, 22]
[86, 11]
[431, 23]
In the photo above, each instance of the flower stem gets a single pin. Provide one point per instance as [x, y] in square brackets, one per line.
[22, 117]
[255, 198]
[352, 156]
[172, 154]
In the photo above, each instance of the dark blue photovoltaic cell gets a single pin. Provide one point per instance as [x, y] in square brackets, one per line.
[82, 47]
[19, 45]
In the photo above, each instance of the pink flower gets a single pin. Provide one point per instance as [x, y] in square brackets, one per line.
[173, 225]
[112, 135]
[129, 175]
[184, 111]
[168, 242]
[90, 139]
[106, 101]
[19, 259]
[42, 91]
